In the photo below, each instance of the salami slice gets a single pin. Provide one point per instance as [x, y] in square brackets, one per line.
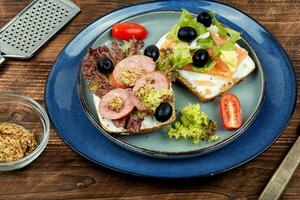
[128, 70]
[105, 108]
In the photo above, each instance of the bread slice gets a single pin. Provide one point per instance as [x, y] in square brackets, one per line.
[207, 86]
[149, 123]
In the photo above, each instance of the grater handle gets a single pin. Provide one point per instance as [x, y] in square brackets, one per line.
[2, 59]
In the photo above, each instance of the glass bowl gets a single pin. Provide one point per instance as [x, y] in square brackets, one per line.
[28, 113]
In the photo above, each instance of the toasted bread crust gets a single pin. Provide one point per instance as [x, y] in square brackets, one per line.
[201, 97]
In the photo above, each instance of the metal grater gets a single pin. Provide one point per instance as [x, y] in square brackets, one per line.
[33, 26]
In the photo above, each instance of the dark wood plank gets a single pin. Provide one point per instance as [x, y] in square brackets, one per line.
[60, 173]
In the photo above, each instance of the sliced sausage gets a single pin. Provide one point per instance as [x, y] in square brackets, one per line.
[157, 79]
[137, 64]
[125, 110]
[136, 102]
[115, 83]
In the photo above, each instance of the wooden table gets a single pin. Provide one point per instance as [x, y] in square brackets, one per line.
[60, 173]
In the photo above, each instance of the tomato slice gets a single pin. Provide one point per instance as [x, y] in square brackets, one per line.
[231, 111]
[127, 31]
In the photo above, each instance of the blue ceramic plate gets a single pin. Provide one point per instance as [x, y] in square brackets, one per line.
[157, 143]
[75, 128]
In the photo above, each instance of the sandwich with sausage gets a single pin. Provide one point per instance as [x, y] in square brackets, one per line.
[130, 96]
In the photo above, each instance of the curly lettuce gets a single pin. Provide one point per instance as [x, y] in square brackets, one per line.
[151, 97]
[98, 82]
[179, 53]
[172, 59]
[194, 125]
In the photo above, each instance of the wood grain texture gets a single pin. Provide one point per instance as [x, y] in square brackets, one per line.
[59, 173]
[283, 174]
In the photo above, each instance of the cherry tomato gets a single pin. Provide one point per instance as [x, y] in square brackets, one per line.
[115, 83]
[231, 111]
[127, 31]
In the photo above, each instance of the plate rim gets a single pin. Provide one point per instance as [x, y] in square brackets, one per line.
[287, 58]
[165, 154]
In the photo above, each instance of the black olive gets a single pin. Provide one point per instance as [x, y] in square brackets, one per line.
[200, 58]
[187, 34]
[152, 51]
[163, 112]
[205, 19]
[105, 65]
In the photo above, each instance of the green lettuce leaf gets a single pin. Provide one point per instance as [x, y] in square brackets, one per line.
[224, 30]
[209, 65]
[233, 35]
[181, 54]
[186, 19]
[227, 46]
[170, 60]
[206, 43]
